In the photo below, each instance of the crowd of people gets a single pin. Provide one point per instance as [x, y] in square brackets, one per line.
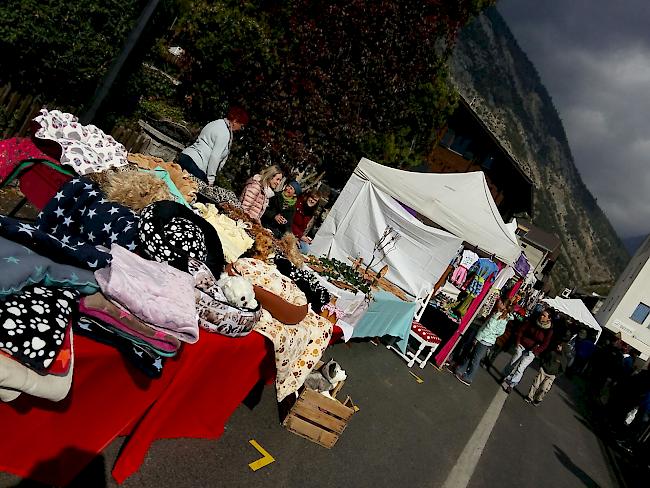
[281, 208]
[616, 390]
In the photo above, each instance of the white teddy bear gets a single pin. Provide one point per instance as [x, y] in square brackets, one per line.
[238, 291]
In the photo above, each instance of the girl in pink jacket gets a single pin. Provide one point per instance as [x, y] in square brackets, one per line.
[258, 190]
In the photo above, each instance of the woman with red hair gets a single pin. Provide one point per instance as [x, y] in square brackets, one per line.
[210, 151]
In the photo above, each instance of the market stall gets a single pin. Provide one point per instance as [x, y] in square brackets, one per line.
[577, 310]
[468, 224]
[117, 316]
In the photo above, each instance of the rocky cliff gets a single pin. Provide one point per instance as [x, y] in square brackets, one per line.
[494, 74]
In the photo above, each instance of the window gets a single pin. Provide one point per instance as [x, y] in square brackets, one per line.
[641, 313]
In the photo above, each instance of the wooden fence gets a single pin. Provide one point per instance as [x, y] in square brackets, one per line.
[17, 110]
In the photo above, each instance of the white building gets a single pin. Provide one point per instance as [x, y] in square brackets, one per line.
[627, 308]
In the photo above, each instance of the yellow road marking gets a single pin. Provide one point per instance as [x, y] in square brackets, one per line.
[417, 378]
[265, 460]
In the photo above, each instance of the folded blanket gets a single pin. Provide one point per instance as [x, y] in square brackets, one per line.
[143, 358]
[84, 147]
[79, 214]
[23, 267]
[16, 378]
[62, 251]
[157, 293]
[297, 348]
[33, 324]
[128, 326]
[234, 238]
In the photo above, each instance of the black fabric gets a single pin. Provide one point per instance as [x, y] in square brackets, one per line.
[143, 358]
[33, 324]
[79, 214]
[274, 208]
[316, 294]
[83, 255]
[160, 243]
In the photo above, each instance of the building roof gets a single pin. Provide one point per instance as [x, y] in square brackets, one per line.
[539, 237]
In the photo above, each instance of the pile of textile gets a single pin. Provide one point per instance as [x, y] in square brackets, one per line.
[123, 254]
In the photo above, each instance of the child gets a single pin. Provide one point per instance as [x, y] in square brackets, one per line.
[485, 339]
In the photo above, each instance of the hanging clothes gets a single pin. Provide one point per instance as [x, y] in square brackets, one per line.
[461, 307]
[468, 259]
[484, 270]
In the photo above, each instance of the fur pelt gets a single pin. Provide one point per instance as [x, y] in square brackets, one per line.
[265, 243]
[134, 189]
[178, 175]
[288, 246]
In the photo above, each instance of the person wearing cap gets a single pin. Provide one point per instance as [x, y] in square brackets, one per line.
[210, 151]
[279, 214]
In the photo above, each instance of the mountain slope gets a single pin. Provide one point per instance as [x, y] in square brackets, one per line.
[490, 69]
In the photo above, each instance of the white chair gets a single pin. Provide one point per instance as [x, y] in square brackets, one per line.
[424, 336]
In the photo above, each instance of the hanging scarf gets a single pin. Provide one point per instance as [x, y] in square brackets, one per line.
[288, 202]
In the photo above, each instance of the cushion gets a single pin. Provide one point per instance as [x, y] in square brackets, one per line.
[424, 333]
[172, 233]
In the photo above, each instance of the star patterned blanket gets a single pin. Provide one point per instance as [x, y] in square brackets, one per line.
[79, 214]
[82, 255]
[22, 267]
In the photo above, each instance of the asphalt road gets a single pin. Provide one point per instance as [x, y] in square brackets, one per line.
[405, 434]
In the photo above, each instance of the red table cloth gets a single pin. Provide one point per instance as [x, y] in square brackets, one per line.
[197, 393]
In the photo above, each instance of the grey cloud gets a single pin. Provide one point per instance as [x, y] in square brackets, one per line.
[594, 58]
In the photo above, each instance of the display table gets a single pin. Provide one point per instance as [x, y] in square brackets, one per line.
[197, 393]
[387, 315]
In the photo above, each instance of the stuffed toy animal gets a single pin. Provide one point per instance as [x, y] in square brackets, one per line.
[238, 291]
[326, 378]
[288, 246]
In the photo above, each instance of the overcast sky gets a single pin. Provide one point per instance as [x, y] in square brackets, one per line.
[594, 58]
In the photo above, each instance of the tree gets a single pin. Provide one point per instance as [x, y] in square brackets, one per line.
[326, 81]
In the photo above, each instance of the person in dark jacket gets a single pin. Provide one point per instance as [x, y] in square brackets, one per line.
[533, 338]
[554, 363]
[305, 210]
[279, 214]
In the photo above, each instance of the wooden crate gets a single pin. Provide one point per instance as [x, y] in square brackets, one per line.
[318, 418]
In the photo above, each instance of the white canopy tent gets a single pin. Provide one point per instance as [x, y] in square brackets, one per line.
[460, 203]
[576, 309]
[357, 221]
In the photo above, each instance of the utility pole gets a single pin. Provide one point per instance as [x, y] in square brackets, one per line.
[105, 86]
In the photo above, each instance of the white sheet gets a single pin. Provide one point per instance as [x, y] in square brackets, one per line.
[358, 219]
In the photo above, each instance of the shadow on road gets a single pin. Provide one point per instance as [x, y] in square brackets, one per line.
[576, 470]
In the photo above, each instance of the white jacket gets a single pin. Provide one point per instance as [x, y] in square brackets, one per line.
[210, 151]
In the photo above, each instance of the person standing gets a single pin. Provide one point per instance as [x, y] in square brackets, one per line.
[305, 210]
[279, 216]
[258, 190]
[209, 153]
[554, 363]
[484, 340]
[532, 339]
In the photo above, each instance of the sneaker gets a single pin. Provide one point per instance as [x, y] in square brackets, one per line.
[507, 387]
[462, 379]
[528, 400]
[537, 403]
